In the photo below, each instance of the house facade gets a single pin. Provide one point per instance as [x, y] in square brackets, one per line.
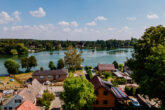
[50, 75]
[107, 95]
[12, 103]
[106, 67]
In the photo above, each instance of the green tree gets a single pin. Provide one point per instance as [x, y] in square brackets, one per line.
[29, 62]
[121, 67]
[12, 66]
[78, 94]
[90, 74]
[46, 99]
[116, 64]
[13, 52]
[60, 63]
[148, 63]
[72, 58]
[41, 68]
[51, 65]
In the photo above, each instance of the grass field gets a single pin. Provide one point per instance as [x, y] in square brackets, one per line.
[23, 77]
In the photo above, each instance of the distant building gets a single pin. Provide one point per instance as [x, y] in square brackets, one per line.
[27, 105]
[126, 76]
[30, 93]
[50, 75]
[106, 94]
[106, 67]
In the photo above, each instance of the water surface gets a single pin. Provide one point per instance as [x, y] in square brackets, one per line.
[91, 57]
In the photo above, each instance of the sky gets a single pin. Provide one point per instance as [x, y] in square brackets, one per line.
[79, 19]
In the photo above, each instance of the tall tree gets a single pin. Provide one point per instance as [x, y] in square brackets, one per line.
[116, 64]
[51, 65]
[121, 67]
[78, 94]
[72, 58]
[29, 62]
[60, 64]
[12, 66]
[148, 62]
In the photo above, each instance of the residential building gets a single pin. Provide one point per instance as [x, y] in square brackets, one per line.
[12, 102]
[30, 93]
[106, 67]
[107, 95]
[27, 105]
[50, 75]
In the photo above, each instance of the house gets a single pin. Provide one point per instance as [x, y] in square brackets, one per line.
[30, 93]
[106, 67]
[27, 105]
[107, 95]
[12, 102]
[125, 75]
[50, 75]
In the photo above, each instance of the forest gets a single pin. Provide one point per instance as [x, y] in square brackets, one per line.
[7, 44]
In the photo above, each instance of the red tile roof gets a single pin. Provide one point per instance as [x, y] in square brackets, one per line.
[106, 67]
[27, 105]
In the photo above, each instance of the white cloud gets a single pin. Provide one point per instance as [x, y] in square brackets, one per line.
[131, 18]
[78, 30]
[110, 29]
[100, 18]
[67, 29]
[5, 18]
[64, 23]
[17, 15]
[93, 23]
[74, 24]
[152, 16]
[38, 13]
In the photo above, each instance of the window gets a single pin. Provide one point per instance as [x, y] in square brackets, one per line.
[10, 108]
[49, 77]
[5, 108]
[57, 76]
[105, 92]
[96, 92]
[105, 102]
[97, 102]
[41, 77]
[18, 101]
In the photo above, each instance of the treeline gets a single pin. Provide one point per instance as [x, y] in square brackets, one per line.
[12, 48]
[57, 45]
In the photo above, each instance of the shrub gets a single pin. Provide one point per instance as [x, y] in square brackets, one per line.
[90, 74]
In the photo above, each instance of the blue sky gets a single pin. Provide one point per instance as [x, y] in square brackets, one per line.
[79, 19]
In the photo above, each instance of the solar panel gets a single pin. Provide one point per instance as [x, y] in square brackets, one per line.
[116, 91]
[123, 95]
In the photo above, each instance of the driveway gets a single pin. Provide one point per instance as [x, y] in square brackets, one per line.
[57, 103]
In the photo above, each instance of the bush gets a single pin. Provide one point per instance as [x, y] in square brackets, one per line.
[90, 74]
[88, 67]
[121, 81]
[46, 100]
[130, 90]
[107, 74]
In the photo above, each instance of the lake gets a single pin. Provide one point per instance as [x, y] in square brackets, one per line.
[91, 57]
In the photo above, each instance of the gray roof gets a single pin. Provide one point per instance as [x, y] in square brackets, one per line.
[50, 72]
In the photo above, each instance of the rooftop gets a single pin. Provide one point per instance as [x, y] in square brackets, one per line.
[106, 67]
[50, 72]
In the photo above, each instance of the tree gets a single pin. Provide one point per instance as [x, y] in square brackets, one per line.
[28, 63]
[46, 99]
[72, 59]
[90, 74]
[51, 65]
[115, 64]
[78, 94]
[121, 67]
[13, 52]
[60, 64]
[41, 68]
[148, 63]
[12, 66]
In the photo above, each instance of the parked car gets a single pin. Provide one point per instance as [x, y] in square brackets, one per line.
[47, 83]
[134, 102]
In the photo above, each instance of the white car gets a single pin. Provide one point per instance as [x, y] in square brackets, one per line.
[135, 102]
